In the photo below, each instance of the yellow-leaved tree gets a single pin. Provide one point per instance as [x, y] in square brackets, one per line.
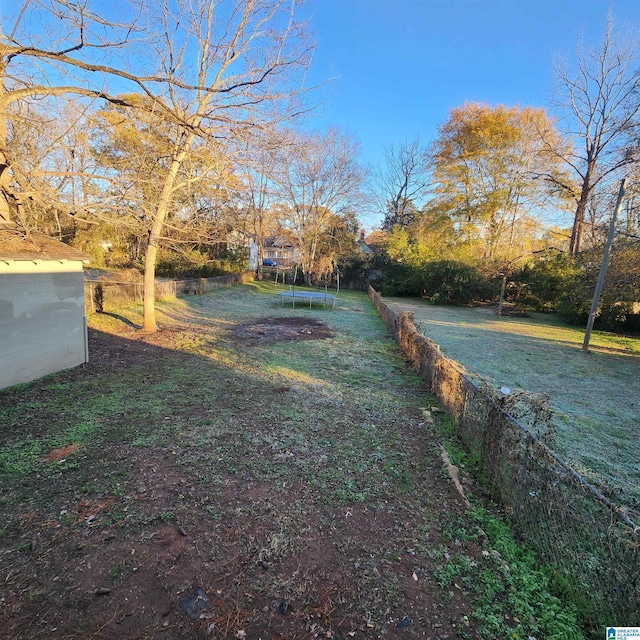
[487, 164]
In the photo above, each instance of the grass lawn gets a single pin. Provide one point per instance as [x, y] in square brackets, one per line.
[249, 471]
[595, 396]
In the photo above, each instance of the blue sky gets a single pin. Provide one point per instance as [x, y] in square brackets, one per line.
[399, 66]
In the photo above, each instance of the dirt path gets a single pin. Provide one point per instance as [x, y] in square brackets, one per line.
[248, 472]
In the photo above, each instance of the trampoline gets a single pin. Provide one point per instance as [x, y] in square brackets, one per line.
[311, 296]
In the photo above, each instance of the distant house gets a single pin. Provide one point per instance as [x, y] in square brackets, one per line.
[43, 326]
[282, 250]
[244, 241]
[377, 238]
[362, 244]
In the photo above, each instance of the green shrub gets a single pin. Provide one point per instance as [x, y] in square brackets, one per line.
[441, 281]
[198, 265]
[451, 282]
[399, 279]
[542, 285]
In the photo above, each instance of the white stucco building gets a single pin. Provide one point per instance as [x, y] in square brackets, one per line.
[43, 326]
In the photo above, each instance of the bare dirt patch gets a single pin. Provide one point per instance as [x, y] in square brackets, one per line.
[281, 329]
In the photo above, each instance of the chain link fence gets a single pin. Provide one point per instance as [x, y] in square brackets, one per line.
[106, 295]
[591, 545]
[204, 285]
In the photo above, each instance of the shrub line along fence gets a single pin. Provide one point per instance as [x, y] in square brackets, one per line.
[590, 544]
[102, 294]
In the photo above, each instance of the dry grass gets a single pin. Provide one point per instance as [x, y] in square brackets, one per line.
[595, 396]
[295, 482]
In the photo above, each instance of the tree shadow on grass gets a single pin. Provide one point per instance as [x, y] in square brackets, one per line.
[159, 435]
[123, 319]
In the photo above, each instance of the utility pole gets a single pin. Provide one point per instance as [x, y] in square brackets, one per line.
[603, 267]
[503, 286]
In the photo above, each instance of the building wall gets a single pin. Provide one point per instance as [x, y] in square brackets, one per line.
[253, 256]
[42, 319]
[284, 256]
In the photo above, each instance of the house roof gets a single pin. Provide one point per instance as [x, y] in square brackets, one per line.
[376, 237]
[18, 244]
[282, 242]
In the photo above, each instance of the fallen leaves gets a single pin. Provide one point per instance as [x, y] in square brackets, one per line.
[61, 453]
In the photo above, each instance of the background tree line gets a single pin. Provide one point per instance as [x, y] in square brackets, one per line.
[170, 132]
[512, 192]
[159, 128]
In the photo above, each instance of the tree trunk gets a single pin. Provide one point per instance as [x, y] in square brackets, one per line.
[578, 219]
[149, 303]
[258, 233]
[149, 295]
[578, 224]
[5, 213]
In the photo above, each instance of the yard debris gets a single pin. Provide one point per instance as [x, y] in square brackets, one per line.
[89, 510]
[283, 607]
[61, 453]
[194, 606]
[404, 623]
[123, 617]
[426, 414]
[452, 470]
[432, 409]
[534, 411]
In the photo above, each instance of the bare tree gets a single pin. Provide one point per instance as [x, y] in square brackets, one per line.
[230, 67]
[68, 54]
[602, 99]
[50, 149]
[403, 179]
[215, 69]
[256, 166]
[318, 177]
